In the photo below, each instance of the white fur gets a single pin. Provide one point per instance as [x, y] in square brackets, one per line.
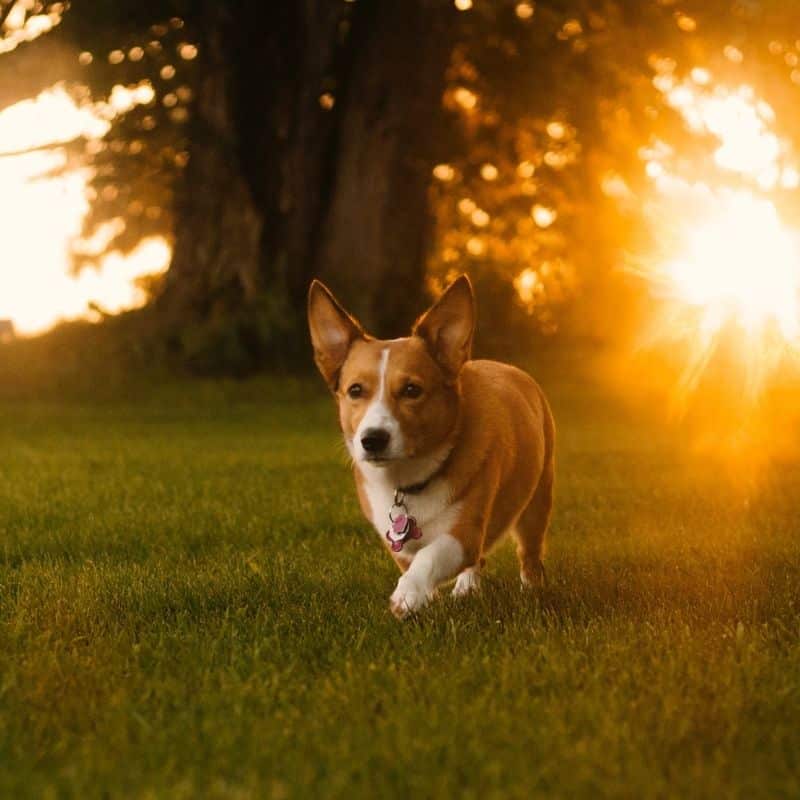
[378, 415]
[381, 481]
[434, 563]
[432, 509]
[437, 556]
[467, 582]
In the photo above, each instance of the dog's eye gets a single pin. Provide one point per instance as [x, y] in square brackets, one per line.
[355, 391]
[412, 390]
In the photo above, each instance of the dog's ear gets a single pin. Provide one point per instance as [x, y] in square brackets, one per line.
[448, 326]
[333, 331]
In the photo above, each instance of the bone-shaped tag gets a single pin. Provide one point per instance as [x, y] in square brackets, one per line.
[403, 527]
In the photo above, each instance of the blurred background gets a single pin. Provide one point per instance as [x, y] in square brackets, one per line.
[618, 177]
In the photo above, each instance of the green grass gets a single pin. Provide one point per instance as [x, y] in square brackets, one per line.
[192, 606]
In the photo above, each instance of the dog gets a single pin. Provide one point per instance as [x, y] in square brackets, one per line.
[449, 454]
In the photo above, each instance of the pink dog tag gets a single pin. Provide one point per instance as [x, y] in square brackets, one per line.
[402, 526]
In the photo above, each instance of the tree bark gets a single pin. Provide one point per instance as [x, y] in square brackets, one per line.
[252, 193]
[309, 146]
[281, 188]
[217, 253]
[378, 225]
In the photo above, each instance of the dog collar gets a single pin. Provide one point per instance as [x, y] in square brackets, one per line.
[417, 488]
[402, 526]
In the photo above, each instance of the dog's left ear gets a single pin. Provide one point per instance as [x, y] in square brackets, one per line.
[448, 326]
[333, 331]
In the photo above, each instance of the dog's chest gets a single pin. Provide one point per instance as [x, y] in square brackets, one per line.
[434, 513]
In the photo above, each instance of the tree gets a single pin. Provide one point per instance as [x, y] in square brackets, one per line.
[298, 143]
[384, 145]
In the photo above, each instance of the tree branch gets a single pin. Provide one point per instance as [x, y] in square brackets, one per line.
[36, 66]
[5, 11]
[40, 148]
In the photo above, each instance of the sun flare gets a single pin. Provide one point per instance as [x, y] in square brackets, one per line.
[741, 264]
[726, 260]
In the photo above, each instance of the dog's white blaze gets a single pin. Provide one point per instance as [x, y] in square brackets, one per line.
[378, 415]
[382, 374]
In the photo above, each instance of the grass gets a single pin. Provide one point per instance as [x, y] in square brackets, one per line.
[192, 606]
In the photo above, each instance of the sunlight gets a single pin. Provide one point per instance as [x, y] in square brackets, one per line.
[19, 28]
[42, 207]
[741, 124]
[742, 264]
[725, 256]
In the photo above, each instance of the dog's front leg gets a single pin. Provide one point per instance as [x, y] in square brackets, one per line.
[435, 563]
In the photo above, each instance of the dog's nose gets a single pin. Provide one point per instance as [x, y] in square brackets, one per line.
[375, 440]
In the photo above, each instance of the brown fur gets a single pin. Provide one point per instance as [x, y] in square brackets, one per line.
[503, 463]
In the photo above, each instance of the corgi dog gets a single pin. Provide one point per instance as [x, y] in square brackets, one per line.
[449, 454]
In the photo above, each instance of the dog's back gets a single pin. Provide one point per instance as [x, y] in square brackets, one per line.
[508, 428]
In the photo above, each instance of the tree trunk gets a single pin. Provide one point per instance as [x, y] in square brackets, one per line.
[281, 187]
[217, 255]
[378, 225]
[260, 147]
[309, 143]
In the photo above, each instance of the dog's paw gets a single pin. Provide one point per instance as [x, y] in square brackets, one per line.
[407, 599]
[468, 582]
[533, 577]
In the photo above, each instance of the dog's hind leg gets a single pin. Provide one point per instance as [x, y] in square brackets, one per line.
[531, 529]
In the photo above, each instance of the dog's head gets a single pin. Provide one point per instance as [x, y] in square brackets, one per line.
[398, 399]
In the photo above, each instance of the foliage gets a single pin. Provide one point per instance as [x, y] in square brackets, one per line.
[68, 362]
[135, 64]
[540, 191]
[143, 61]
[553, 107]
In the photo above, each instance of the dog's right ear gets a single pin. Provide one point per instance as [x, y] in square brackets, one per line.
[333, 331]
[448, 327]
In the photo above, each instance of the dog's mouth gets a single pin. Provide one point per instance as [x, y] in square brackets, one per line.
[378, 460]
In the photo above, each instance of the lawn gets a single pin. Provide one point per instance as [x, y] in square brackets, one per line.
[192, 606]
